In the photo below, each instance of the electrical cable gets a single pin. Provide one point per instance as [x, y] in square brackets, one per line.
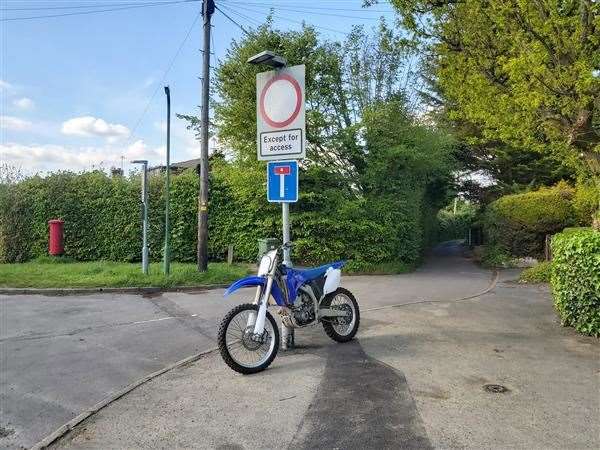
[165, 73]
[254, 22]
[233, 20]
[79, 13]
[309, 8]
[294, 21]
[285, 8]
[91, 6]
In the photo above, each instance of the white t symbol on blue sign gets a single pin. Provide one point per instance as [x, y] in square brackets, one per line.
[282, 181]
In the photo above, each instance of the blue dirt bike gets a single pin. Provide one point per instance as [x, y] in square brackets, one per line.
[249, 337]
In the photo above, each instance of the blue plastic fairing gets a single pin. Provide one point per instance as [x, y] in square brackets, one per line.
[256, 281]
[298, 277]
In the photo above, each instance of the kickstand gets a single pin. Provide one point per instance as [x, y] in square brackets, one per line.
[287, 338]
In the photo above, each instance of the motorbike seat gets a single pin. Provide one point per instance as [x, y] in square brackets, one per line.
[317, 272]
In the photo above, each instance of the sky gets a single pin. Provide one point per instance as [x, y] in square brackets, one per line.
[82, 92]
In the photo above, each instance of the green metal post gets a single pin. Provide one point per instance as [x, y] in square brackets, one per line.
[167, 251]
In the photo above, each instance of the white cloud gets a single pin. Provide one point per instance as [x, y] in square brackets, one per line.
[24, 103]
[14, 123]
[91, 126]
[48, 157]
[5, 85]
[139, 150]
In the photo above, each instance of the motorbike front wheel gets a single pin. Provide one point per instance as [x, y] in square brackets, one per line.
[240, 348]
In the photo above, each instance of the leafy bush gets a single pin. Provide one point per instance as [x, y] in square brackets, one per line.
[539, 273]
[585, 203]
[576, 279]
[519, 223]
[495, 256]
[453, 225]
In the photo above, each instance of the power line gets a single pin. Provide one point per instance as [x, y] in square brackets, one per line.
[293, 21]
[310, 8]
[11, 19]
[165, 73]
[92, 6]
[254, 22]
[233, 20]
[308, 11]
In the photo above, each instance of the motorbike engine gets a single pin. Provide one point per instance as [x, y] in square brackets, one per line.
[304, 310]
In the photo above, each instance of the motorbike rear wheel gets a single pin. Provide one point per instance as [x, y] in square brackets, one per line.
[341, 329]
[241, 350]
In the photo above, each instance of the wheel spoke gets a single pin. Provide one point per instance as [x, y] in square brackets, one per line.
[239, 343]
[343, 325]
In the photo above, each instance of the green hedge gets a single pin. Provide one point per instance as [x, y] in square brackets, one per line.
[585, 203]
[103, 217]
[455, 224]
[518, 224]
[576, 279]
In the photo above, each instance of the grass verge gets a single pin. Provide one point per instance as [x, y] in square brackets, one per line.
[61, 273]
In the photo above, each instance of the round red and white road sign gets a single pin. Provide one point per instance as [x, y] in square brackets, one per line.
[280, 101]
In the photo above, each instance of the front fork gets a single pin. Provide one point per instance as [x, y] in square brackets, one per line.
[262, 299]
[257, 320]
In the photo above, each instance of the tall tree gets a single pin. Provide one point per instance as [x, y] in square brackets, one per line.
[343, 79]
[523, 73]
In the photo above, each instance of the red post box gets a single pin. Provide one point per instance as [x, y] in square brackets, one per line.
[56, 237]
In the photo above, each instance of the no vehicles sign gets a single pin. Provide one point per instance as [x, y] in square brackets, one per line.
[280, 123]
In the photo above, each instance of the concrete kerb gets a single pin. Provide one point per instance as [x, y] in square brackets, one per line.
[64, 429]
[108, 290]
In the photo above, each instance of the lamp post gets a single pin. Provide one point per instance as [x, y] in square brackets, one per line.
[144, 165]
[277, 62]
[167, 250]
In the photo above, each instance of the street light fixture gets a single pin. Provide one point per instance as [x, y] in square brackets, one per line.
[144, 164]
[269, 58]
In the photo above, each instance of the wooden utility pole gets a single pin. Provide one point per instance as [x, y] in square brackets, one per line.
[208, 8]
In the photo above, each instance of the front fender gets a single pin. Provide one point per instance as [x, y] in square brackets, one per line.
[254, 280]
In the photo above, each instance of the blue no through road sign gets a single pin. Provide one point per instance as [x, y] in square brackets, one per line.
[282, 181]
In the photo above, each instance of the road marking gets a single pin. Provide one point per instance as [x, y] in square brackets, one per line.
[152, 320]
[34, 336]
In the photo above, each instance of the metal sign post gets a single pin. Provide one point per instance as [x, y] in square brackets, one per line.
[144, 164]
[281, 133]
[282, 187]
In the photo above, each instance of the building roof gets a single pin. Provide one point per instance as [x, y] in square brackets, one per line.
[190, 163]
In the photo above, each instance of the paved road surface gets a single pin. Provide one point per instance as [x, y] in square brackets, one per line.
[413, 379]
[60, 355]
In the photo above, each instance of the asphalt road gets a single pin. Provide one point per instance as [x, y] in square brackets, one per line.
[61, 355]
[414, 379]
